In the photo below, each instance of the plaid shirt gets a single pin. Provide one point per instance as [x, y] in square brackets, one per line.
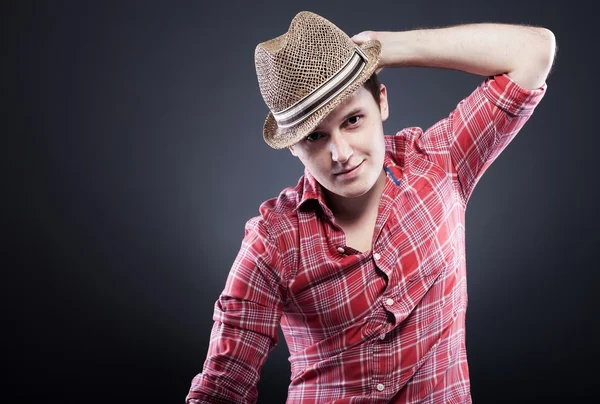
[386, 325]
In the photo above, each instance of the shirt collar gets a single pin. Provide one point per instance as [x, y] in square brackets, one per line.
[313, 191]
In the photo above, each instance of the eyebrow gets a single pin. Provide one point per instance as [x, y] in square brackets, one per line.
[353, 112]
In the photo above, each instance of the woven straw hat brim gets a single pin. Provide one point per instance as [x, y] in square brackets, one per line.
[280, 138]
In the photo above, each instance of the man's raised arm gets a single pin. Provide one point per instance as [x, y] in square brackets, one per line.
[525, 53]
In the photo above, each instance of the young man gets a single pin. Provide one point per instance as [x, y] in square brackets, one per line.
[362, 263]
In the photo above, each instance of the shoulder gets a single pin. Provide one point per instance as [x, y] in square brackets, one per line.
[277, 216]
[276, 230]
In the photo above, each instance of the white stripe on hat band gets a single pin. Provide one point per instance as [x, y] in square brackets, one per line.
[326, 92]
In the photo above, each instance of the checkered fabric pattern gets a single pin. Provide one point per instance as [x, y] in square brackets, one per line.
[382, 326]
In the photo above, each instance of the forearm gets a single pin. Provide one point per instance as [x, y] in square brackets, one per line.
[525, 53]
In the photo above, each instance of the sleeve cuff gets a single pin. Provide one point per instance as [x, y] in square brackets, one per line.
[509, 96]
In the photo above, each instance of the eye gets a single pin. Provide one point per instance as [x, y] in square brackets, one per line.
[314, 137]
[356, 118]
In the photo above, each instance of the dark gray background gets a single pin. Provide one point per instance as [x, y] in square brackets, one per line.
[133, 155]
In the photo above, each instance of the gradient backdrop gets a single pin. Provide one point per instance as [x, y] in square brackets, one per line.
[133, 156]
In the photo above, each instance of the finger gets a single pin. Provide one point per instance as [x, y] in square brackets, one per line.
[361, 37]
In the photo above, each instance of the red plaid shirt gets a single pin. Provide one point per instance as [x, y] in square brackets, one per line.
[386, 325]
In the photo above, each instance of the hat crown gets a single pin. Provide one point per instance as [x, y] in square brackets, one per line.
[292, 65]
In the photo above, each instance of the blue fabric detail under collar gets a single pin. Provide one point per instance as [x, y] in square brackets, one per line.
[396, 180]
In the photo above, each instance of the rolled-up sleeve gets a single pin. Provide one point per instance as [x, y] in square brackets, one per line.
[246, 322]
[468, 141]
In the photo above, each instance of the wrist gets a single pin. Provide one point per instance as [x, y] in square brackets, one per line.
[402, 48]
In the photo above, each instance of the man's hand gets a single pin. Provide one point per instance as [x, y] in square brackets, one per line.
[365, 36]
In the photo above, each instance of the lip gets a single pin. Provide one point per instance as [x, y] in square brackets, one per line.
[349, 173]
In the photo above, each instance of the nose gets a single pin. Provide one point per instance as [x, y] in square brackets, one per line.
[341, 151]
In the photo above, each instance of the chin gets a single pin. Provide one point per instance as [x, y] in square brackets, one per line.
[355, 193]
[352, 192]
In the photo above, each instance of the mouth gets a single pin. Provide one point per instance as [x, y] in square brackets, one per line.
[349, 170]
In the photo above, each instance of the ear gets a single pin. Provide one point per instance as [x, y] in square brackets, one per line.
[292, 151]
[383, 103]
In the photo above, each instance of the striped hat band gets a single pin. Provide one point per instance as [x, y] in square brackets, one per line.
[302, 109]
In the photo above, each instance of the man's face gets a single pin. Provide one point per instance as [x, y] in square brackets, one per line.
[345, 152]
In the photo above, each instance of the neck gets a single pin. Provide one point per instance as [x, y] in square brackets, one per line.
[349, 209]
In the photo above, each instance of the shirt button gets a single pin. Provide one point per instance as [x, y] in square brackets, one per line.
[382, 337]
[389, 302]
[377, 256]
[380, 387]
[341, 250]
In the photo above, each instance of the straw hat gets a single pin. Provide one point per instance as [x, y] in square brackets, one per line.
[306, 73]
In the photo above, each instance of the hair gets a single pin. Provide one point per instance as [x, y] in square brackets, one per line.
[373, 85]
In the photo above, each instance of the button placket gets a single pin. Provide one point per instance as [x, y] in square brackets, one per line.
[378, 371]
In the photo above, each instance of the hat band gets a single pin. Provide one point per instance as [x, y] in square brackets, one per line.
[324, 93]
